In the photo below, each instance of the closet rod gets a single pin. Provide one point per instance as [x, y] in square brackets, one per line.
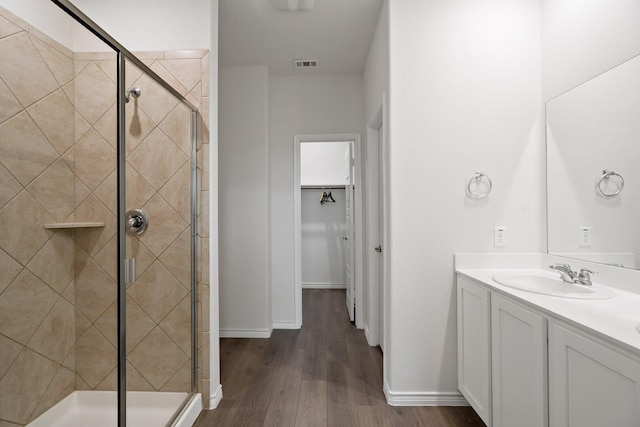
[316, 187]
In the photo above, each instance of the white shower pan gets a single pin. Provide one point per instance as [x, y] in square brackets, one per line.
[99, 409]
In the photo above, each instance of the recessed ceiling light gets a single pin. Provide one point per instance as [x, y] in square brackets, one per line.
[293, 5]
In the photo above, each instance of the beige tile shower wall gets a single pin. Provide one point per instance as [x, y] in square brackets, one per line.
[57, 164]
[37, 180]
[158, 152]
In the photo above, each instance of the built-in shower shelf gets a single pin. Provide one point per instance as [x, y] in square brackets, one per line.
[74, 225]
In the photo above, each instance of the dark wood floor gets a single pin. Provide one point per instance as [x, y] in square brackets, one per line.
[322, 375]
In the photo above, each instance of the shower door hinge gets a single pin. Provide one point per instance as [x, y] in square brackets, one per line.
[129, 271]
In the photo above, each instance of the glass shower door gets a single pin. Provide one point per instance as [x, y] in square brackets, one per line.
[159, 250]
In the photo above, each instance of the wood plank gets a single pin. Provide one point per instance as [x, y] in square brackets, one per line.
[405, 416]
[284, 399]
[259, 377]
[231, 351]
[341, 404]
[368, 392]
[315, 360]
[373, 416]
[337, 324]
[312, 404]
[463, 416]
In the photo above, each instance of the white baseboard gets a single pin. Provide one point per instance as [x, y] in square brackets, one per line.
[245, 333]
[367, 335]
[424, 398]
[285, 325]
[315, 285]
[216, 397]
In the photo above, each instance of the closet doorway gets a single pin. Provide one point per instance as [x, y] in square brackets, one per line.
[328, 218]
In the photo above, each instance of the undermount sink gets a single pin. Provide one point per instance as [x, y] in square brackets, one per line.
[541, 282]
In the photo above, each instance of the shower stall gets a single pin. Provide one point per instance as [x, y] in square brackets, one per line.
[100, 226]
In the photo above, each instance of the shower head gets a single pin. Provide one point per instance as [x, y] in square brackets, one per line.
[135, 92]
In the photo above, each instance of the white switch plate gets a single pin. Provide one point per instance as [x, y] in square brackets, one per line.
[500, 237]
[584, 236]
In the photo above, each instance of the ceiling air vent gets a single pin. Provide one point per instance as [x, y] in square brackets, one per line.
[305, 63]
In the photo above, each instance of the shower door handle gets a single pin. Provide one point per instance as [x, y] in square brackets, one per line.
[129, 270]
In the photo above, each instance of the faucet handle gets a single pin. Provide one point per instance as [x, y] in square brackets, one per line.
[566, 273]
[584, 277]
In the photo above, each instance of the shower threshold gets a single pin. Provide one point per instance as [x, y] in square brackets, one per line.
[99, 409]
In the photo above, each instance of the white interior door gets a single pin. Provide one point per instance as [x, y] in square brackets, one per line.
[349, 232]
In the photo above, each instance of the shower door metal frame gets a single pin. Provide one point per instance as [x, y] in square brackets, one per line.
[124, 55]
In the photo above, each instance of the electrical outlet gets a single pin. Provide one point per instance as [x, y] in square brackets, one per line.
[584, 236]
[500, 237]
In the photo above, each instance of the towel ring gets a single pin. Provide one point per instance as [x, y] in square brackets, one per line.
[606, 175]
[477, 179]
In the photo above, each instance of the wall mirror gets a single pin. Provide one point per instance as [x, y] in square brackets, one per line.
[593, 170]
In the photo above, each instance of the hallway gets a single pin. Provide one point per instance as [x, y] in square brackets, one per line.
[322, 375]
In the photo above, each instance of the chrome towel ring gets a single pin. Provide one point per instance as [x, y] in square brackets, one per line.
[479, 186]
[604, 180]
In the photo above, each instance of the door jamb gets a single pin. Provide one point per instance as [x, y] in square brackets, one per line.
[358, 217]
[374, 287]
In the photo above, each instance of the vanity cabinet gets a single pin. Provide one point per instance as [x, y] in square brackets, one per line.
[502, 358]
[518, 365]
[591, 383]
[474, 358]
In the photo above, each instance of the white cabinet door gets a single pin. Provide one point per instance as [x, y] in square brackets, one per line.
[474, 359]
[519, 365]
[590, 383]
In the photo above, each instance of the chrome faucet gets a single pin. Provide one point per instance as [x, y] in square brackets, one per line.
[566, 273]
[584, 277]
[570, 276]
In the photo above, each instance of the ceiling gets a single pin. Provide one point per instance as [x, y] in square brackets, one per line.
[337, 33]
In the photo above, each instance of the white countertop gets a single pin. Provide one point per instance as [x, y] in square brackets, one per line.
[614, 319]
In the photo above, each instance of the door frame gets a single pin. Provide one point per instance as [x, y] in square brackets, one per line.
[358, 218]
[376, 329]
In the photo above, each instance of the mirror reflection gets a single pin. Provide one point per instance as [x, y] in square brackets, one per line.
[593, 198]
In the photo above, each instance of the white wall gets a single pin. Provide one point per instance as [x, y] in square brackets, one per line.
[245, 301]
[323, 250]
[376, 70]
[148, 25]
[45, 16]
[464, 96]
[139, 25]
[301, 105]
[322, 163]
